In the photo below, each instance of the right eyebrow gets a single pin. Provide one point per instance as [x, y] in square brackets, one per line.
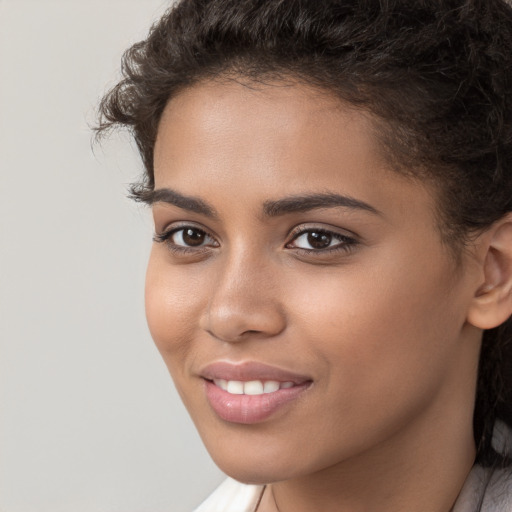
[189, 203]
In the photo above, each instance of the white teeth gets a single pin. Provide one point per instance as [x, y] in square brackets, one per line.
[235, 387]
[252, 387]
[270, 386]
[221, 383]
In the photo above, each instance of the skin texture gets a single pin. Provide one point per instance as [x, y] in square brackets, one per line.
[385, 326]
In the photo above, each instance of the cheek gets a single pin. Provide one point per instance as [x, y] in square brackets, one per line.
[382, 345]
[173, 302]
[381, 328]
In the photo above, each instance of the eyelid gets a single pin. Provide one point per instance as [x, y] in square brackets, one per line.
[176, 224]
[182, 224]
[324, 228]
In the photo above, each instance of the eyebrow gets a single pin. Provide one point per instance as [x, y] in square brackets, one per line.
[190, 203]
[292, 204]
[308, 202]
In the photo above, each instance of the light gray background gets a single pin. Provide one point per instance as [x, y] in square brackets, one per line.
[89, 417]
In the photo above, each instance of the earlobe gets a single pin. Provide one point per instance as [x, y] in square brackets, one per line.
[492, 301]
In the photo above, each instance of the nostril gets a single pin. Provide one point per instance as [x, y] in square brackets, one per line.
[234, 317]
[232, 336]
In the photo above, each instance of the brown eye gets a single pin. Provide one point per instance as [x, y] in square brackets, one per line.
[315, 240]
[190, 237]
[319, 240]
[193, 237]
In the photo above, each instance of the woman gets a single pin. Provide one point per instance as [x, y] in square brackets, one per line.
[330, 283]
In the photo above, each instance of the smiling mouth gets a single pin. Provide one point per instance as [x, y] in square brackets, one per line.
[252, 387]
[251, 392]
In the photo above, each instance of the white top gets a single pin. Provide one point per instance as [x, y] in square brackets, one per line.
[485, 489]
[232, 496]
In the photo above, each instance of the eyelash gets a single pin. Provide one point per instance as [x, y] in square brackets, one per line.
[346, 243]
[166, 237]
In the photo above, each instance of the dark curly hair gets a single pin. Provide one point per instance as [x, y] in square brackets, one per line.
[436, 75]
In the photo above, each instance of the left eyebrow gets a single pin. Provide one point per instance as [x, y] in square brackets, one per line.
[308, 202]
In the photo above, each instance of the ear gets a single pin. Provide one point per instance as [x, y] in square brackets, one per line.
[492, 301]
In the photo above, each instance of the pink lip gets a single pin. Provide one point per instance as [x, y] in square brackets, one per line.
[250, 370]
[248, 409]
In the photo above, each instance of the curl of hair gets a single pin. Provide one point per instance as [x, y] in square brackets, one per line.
[437, 76]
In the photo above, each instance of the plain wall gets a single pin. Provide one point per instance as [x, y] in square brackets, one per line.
[89, 419]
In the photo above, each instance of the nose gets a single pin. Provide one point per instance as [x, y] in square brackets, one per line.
[245, 301]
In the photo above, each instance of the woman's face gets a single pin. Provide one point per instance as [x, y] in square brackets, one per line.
[299, 291]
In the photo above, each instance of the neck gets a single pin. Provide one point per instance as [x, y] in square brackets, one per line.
[387, 483]
[426, 489]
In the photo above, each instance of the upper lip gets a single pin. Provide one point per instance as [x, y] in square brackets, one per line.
[250, 370]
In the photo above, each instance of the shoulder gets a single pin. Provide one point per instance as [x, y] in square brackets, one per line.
[498, 496]
[489, 489]
[232, 496]
[486, 490]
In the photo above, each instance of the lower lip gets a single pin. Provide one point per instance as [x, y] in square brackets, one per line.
[249, 409]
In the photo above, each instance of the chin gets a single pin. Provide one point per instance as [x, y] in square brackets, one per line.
[254, 474]
[257, 464]
[252, 462]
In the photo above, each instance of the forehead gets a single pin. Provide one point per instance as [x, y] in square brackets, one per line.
[279, 102]
[262, 140]
[271, 121]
